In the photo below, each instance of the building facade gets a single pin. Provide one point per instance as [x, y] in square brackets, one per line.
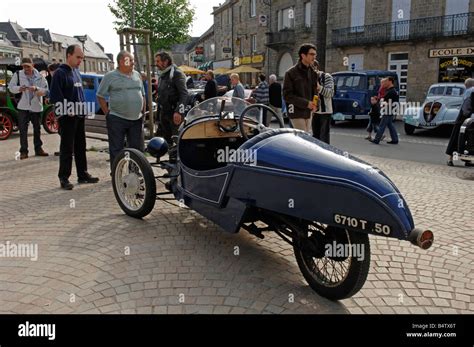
[30, 46]
[425, 42]
[224, 35]
[292, 24]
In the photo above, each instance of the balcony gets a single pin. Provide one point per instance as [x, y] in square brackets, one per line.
[409, 30]
[281, 38]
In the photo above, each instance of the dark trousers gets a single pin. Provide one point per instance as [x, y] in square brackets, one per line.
[454, 139]
[168, 128]
[373, 125]
[119, 130]
[386, 122]
[24, 118]
[321, 125]
[73, 140]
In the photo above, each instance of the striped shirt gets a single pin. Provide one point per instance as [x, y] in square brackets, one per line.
[262, 93]
[326, 94]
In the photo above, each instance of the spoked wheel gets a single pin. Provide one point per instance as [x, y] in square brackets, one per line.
[335, 262]
[6, 126]
[50, 123]
[134, 183]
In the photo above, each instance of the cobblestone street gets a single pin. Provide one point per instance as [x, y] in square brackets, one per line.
[92, 258]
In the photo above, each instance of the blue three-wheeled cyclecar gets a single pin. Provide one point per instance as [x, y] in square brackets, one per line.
[230, 168]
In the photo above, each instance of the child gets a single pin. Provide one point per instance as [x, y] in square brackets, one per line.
[374, 115]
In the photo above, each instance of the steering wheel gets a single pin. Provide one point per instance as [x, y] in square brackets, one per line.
[256, 124]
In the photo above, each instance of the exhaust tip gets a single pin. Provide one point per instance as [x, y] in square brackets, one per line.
[423, 239]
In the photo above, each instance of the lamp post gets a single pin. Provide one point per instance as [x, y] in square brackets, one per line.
[83, 39]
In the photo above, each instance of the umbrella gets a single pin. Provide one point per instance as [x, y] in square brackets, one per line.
[191, 70]
[243, 69]
[220, 70]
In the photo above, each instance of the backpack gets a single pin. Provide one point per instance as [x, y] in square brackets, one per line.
[17, 96]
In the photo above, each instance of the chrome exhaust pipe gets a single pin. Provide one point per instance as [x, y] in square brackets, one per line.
[421, 238]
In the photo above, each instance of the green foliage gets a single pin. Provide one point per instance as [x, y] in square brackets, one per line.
[168, 20]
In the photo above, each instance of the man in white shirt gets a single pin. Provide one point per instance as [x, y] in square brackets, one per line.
[32, 86]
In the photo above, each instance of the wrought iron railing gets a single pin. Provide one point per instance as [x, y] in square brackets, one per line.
[283, 37]
[415, 29]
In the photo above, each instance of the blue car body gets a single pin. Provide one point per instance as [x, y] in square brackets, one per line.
[353, 90]
[90, 85]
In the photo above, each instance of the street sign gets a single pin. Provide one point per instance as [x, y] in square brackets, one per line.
[226, 50]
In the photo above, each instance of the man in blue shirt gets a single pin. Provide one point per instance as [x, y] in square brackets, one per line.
[68, 99]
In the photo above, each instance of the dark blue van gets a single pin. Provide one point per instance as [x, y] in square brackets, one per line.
[353, 90]
[90, 85]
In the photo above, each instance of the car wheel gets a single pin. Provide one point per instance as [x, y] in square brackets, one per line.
[50, 122]
[336, 276]
[134, 183]
[6, 126]
[409, 129]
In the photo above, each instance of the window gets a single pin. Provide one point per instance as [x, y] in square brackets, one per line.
[286, 18]
[458, 20]
[307, 14]
[240, 14]
[353, 82]
[254, 43]
[357, 15]
[88, 83]
[253, 8]
[230, 16]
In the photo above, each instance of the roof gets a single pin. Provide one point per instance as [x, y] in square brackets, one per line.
[91, 49]
[41, 31]
[13, 31]
[226, 4]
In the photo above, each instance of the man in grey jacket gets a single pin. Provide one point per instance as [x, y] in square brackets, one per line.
[32, 86]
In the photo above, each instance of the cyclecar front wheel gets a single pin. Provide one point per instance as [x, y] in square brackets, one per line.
[134, 183]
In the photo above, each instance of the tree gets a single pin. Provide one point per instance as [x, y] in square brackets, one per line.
[168, 20]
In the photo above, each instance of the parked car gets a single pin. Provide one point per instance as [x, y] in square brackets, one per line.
[250, 190]
[441, 106]
[353, 90]
[8, 104]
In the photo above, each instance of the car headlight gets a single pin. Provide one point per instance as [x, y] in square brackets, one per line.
[355, 104]
[427, 108]
[435, 109]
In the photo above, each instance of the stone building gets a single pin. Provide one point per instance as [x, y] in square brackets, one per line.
[293, 23]
[425, 42]
[224, 34]
[95, 59]
[8, 52]
[30, 45]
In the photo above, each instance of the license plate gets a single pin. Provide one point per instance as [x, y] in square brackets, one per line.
[338, 116]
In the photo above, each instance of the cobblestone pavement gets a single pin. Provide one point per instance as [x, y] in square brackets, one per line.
[94, 259]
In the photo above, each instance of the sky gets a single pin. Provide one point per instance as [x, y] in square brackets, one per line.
[92, 17]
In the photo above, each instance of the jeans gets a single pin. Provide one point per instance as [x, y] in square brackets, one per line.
[73, 139]
[168, 128]
[386, 122]
[373, 126]
[321, 125]
[24, 118]
[120, 129]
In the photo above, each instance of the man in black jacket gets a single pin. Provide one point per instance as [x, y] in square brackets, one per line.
[172, 95]
[67, 96]
[210, 90]
[275, 97]
[390, 104]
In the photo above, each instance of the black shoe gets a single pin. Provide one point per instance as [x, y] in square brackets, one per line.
[65, 184]
[375, 142]
[450, 163]
[468, 164]
[87, 179]
[392, 142]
